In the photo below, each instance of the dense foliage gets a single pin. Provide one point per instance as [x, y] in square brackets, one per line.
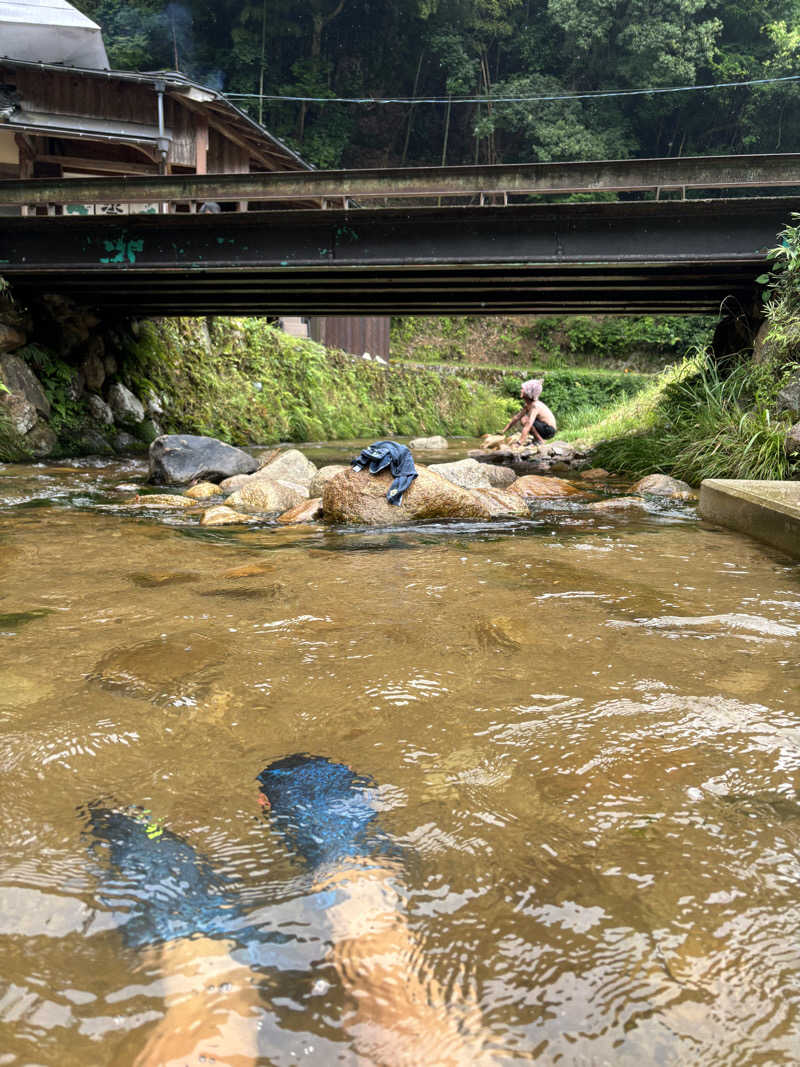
[244, 381]
[614, 342]
[496, 48]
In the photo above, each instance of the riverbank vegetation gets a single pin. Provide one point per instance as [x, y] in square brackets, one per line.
[244, 381]
[693, 422]
[645, 343]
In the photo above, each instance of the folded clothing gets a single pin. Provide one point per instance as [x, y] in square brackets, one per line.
[382, 454]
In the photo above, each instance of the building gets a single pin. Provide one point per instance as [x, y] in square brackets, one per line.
[64, 114]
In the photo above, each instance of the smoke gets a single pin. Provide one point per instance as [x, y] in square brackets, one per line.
[179, 22]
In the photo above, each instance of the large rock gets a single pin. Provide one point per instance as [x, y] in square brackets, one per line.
[467, 473]
[18, 411]
[92, 365]
[10, 337]
[203, 491]
[238, 481]
[20, 379]
[222, 515]
[289, 466]
[792, 440]
[308, 511]
[662, 485]
[41, 441]
[499, 477]
[265, 497]
[99, 410]
[493, 440]
[538, 486]
[176, 459]
[789, 397]
[501, 504]
[323, 476]
[128, 409]
[90, 442]
[428, 443]
[360, 497]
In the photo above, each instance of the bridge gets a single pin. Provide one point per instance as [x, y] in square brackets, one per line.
[414, 241]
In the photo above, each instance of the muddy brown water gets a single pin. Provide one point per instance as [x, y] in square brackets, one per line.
[584, 730]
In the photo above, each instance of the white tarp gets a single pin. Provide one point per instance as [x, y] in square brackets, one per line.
[50, 31]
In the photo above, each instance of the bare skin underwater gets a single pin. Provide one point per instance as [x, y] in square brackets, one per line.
[398, 1013]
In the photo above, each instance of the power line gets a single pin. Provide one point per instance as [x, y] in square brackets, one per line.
[596, 94]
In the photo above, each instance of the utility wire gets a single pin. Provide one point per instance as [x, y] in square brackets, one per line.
[596, 94]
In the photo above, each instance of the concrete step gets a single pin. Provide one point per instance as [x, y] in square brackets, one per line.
[294, 326]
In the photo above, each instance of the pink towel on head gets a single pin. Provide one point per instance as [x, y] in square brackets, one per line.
[532, 389]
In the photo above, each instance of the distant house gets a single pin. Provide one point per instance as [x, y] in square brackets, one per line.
[63, 113]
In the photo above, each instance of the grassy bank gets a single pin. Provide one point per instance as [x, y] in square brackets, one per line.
[693, 423]
[645, 343]
[244, 381]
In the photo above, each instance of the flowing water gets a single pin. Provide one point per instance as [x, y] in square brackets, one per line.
[584, 733]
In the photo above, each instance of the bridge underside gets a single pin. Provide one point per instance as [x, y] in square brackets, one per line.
[670, 256]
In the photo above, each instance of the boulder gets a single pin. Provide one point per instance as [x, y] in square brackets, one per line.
[662, 485]
[125, 442]
[617, 503]
[499, 477]
[90, 442]
[19, 412]
[558, 449]
[99, 410]
[148, 430]
[501, 504]
[10, 338]
[596, 474]
[467, 473]
[230, 485]
[323, 475]
[221, 515]
[161, 501]
[792, 440]
[20, 379]
[176, 459]
[92, 365]
[265, 497]
[41, 441]
[789, 397]
[537, 485]
[203, 491]
[289, 466]
[493, 440]
[360, 497]
[308, 511]
[128, 409]
[428, 443]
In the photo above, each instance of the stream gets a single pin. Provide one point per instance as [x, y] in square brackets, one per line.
[581, 734]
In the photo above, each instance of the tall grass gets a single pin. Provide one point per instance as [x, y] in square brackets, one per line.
[695, 424]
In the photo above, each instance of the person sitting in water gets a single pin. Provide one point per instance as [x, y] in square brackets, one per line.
[535, 416]
[327, 816]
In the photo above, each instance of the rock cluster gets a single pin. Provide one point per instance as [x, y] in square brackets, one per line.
[287, 486]
[77, 351]
[556, 457]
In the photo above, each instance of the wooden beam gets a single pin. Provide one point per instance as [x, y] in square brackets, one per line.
[201, 145]
[107, 166]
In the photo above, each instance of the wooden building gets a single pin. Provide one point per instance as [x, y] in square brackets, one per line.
[63, 113]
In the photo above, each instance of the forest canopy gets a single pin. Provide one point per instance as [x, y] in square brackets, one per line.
[482, 48]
